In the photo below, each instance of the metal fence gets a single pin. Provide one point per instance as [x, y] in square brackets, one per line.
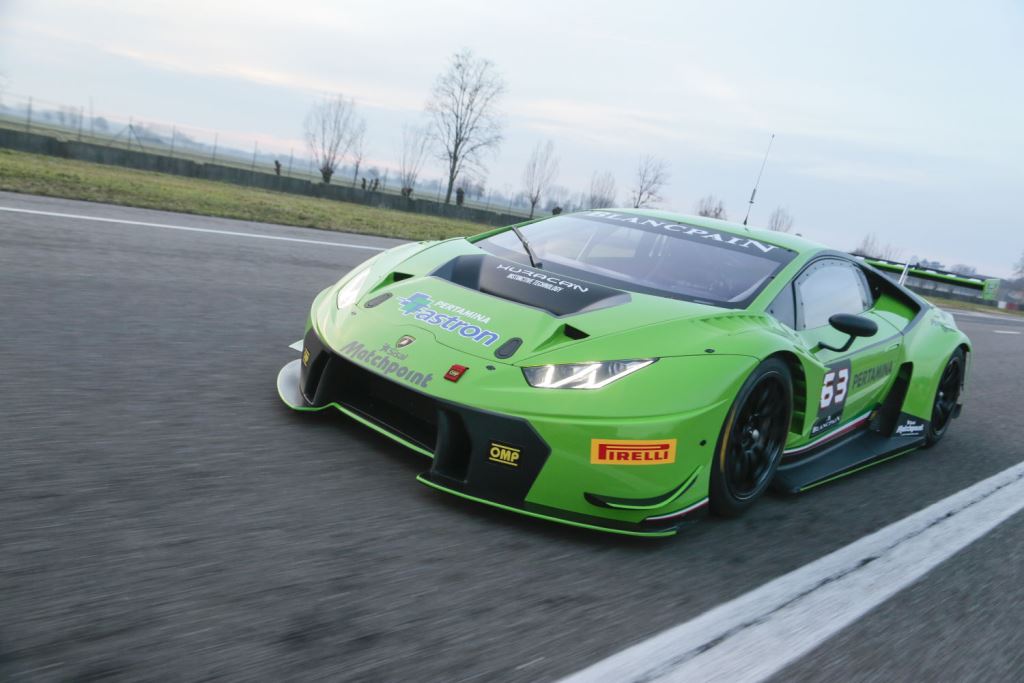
[248, 151]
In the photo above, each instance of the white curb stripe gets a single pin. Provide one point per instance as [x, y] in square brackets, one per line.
[231, 233]
[757, 634]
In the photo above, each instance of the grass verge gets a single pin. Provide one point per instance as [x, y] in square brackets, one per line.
[55, 177]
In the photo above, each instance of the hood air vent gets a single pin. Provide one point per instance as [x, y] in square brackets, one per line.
[507, 349]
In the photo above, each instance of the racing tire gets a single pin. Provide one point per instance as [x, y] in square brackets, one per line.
[752, 439]
[947, 394]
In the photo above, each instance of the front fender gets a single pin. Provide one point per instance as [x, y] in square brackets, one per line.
[686, 403]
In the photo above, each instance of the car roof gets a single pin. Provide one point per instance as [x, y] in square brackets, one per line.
[780, 239]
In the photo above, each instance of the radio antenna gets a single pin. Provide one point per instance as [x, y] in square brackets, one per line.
[753, 194]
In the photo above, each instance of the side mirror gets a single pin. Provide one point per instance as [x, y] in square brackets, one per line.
[853, 325]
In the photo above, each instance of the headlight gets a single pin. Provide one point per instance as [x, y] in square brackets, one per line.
[348, 294]
[582, 375]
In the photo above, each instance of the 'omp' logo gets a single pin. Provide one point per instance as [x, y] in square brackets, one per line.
[504, 455]
[459, 321]
[618, 452]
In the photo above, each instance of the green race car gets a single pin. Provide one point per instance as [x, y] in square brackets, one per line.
[622, 369]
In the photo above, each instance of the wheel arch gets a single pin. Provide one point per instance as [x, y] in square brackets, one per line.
[799, 376]
[929, 354]
[968, 354]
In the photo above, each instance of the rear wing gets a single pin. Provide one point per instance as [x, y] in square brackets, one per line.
[987, 286]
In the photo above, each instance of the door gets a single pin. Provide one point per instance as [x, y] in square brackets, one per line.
[849, 384]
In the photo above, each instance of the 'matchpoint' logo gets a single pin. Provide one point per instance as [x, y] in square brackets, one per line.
[455, 319]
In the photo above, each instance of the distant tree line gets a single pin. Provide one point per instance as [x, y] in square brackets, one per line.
[464, 129]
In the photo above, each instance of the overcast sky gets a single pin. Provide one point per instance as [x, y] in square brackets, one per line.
[902, 119]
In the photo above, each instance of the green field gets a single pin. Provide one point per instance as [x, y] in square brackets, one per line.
[55, 177]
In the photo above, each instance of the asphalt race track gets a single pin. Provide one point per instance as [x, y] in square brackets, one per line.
[163, 516]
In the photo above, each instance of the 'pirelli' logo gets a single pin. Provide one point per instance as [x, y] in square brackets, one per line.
[619, 452]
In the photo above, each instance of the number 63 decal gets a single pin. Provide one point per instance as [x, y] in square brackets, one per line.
[833, 389]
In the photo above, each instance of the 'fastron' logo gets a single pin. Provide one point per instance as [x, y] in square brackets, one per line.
[459, 321]
[619, 452]
[414, 303]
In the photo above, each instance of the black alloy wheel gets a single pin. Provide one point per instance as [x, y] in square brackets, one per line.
[947, 395]
[752, 440]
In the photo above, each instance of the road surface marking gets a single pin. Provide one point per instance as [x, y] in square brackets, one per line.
[297, 345]
[1005, 332]
[189, 229]
[759, 633]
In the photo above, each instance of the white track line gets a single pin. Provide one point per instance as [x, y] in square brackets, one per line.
[189, 229]
[758, 634]
[1005, 332]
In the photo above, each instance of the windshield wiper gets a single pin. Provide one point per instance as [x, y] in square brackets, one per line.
[534, 261]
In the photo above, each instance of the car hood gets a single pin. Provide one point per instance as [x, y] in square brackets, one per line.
[509, 312]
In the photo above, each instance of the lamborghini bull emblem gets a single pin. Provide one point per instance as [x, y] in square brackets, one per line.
[404, 341]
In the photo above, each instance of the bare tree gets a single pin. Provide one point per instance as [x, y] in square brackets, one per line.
[1018, 269]
[711, 207]
[358, 146]
[70, 116]
[602, 191]
[558, 196]
[963, 269]
[414, 153]
[541, 170]
[867, 247]
[872, 248]
[476, 188]
[329, 127]
[464, 113]
[651, 177]
[582, 201]
[780, 220]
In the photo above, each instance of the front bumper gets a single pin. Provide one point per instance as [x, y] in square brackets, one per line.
[482, 455]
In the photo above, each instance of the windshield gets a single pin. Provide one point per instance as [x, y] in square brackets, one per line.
[649, 255]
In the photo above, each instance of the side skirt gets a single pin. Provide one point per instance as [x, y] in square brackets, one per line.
[841, 457]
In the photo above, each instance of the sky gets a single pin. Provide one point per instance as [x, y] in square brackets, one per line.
[900, 119]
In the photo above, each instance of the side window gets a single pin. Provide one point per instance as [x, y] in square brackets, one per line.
[783, 308]
[828, 287]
